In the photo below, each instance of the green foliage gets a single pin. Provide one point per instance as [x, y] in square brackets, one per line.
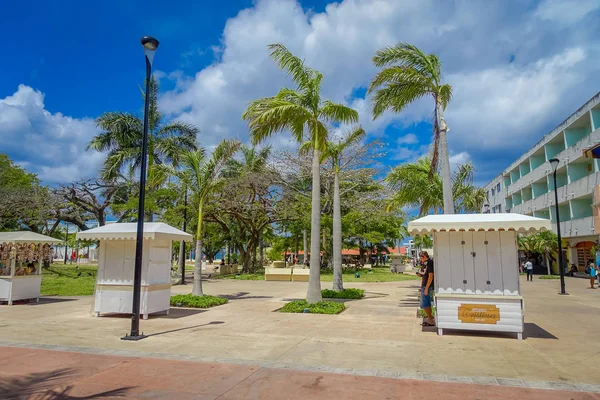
[366, 275]
[351, 293]
[549, 277]
[189, 300]
[543, 243]
[322, 307]
[415, 185]
[68, 280]
[257, 276]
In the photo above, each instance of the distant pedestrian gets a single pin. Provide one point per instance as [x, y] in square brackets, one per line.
[427, 285]
[593, 273]
[529, 270]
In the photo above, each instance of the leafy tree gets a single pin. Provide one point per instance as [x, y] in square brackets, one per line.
[334, 152]
[408, 75]
[122, 134]
[304, 113]
[544, 243]
[201, 174]
[413, 187]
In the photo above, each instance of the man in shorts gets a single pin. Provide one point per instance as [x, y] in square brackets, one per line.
[427, 288]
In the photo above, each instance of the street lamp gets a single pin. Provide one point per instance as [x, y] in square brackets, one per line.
[150, 45]
[554, 163]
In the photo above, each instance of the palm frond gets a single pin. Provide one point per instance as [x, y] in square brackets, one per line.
[270, 115]
[335, 112]
[300, 73]
[395, 97]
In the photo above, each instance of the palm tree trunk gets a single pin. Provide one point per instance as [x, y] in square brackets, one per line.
[338, 283]
[314, 281]
[197, 291]
[445, 161]
[548, 263]
[305, 248]
[260, 250]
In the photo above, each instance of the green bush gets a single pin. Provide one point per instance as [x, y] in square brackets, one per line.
[323, 307]
[343, 294]
[189, 300]
[549, 277]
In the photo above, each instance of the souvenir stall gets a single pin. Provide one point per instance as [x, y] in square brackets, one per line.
[116, 264]
[476, 269]
[22, 255]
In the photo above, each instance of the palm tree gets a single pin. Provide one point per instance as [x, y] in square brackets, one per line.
[121, 137]
[413, 187]
[407, 75]
[302, 112]
[334, 152]
[544, 243]
[201, 174]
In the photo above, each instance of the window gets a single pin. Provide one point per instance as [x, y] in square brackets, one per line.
[499, 208]
[493, 191]
[498, 187]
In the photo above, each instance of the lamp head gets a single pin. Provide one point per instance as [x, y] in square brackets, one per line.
[554, 162]
[150, 45]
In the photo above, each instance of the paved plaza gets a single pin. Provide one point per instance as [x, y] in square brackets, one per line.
[378, 337]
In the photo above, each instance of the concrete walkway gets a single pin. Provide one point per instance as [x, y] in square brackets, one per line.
[380, 335]
[41, 374]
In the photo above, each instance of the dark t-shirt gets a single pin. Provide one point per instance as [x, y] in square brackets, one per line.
[428, 270]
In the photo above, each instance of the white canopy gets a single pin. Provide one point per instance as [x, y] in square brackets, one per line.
[26, 237]
[477, 222]
[128, 231]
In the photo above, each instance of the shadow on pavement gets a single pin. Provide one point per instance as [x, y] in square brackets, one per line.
[535, 331]
[43, 385]
[176, 313]
[243, 296]
[186, 328]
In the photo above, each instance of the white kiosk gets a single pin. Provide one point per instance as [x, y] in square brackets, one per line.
[116, 262]
[21, 258]
[477, 269]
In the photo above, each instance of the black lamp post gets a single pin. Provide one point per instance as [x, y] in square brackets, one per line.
[554, 162]
[66, 241]
[150, 45]
[182, 244]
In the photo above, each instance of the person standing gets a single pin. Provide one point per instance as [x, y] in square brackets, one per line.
[593, 273]
[529, 270]
[427, 281]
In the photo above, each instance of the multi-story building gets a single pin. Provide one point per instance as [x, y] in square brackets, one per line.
[527, 185]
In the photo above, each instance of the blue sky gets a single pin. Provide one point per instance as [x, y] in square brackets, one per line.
[518, 68]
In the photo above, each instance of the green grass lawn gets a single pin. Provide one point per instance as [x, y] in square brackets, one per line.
[68, 280]
[374, 275]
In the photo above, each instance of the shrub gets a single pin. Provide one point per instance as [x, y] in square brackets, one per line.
[549, 277]
[189, 300]
[322, 307]
[343, 294]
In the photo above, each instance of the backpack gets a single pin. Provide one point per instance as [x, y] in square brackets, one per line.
[587, 269]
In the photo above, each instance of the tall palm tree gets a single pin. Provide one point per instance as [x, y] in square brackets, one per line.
[302, 112]
[201, 174]
[413, 187]
[121, 137]
[407, 75]
[335, 152]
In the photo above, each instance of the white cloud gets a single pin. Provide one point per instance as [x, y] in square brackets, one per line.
[565, 11]
[51, 145]
[459, 159]
[409, 138]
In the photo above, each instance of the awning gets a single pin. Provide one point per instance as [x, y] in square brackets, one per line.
[128, 231]
[477, 222]
[26, 237]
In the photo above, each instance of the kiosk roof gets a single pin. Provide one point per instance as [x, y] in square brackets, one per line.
[26, 237]
[477, 222]
[128, 231]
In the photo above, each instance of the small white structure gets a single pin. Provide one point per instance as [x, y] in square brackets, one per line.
[116, 264]
[21, 257]
[476, 269]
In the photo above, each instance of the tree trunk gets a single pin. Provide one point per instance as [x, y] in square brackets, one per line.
[445, 161]
[182, 260]
[198, 261]
[305, 248]
[314, 281]
[548, 263]
[260, 249]
[337, 236]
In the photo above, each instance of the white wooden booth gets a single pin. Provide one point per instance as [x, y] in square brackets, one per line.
[116, 264]
[476, 269]
[21, 257]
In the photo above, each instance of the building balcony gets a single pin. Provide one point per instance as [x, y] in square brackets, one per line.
[576, 227]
